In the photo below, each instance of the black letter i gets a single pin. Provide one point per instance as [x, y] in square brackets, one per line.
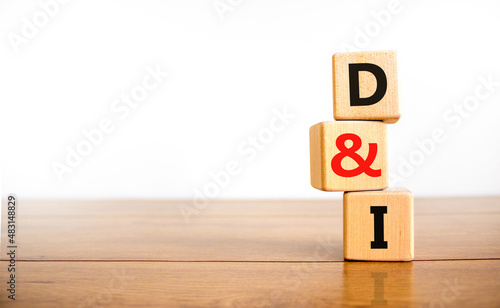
[378, 226]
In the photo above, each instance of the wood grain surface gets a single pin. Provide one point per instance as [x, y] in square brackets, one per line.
[267, 253]
[247, 284]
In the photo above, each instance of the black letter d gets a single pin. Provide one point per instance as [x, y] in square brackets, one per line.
[379, 74]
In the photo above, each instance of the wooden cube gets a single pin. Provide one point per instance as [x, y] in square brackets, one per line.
[378, 225]
[365, 86]
[349, 155]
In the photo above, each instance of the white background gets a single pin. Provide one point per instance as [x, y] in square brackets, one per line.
[227, 73]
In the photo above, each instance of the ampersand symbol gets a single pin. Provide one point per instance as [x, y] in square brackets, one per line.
[363, 164]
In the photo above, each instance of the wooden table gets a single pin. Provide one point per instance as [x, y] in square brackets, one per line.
[281, 253]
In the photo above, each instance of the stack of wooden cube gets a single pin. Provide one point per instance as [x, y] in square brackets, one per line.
[350, 155]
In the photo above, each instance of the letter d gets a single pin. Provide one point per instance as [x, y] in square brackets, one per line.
[51, 7]
[222, 178]
[354, 69]
[72, 158]
[95, 136]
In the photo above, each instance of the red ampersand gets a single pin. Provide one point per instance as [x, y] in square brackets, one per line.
[363, 165]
